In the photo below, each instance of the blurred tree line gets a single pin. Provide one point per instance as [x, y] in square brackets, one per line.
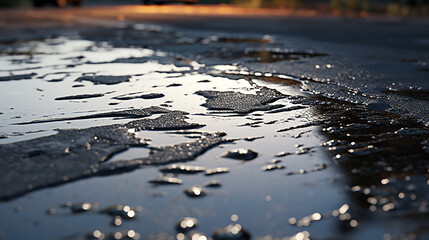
[397, 7]
[14, 3]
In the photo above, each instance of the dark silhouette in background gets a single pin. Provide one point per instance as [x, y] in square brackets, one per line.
[58, 3]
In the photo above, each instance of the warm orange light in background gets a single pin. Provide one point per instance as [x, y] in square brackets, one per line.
[213, 10]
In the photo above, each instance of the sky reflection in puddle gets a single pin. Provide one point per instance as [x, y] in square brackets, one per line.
[264, 201]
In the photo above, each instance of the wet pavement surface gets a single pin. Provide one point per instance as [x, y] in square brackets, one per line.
[143, 130]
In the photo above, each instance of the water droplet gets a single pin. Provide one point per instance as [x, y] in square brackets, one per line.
[195, 191]
[117, 221]
[127, 234]
[186, 224]
[388, 207]
[180, 236]
[353, 223]
[97, 234]
[194, 236]
[293, 221]
[316, 216]
[384, 181]
[343, 209]
[231, 232]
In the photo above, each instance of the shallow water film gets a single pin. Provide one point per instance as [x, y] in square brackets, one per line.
[137, 131]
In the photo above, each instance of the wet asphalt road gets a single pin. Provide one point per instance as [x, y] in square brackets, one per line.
[126, 83]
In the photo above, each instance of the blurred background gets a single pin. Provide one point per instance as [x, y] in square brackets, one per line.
[394, 7]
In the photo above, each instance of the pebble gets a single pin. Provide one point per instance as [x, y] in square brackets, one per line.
[241, 154]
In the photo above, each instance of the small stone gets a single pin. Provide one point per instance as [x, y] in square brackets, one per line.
[241, 154]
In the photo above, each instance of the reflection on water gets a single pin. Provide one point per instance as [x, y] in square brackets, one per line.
[127, 86]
